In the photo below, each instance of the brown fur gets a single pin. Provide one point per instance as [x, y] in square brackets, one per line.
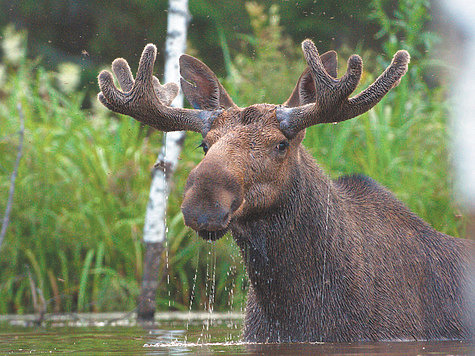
[333, 261]
[328, 260]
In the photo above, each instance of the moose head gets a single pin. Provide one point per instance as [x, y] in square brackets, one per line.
[250, 153]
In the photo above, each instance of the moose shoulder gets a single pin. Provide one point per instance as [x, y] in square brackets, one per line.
[328, 260]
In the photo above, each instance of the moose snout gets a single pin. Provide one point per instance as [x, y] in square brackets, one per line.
[206, 219]
[210, 199]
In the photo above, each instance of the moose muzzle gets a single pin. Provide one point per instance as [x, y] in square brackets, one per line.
[212, 195]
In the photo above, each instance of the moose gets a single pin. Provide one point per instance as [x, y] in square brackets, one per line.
[328, 260]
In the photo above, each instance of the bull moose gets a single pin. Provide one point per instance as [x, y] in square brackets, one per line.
[328, 260]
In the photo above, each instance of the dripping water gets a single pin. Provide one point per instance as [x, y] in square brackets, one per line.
[231, 274]
[168, 271]
[206, 322]
[192, 296]
[213, 285]
[164, 155]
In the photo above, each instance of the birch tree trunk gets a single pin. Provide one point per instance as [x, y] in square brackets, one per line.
[155, 218]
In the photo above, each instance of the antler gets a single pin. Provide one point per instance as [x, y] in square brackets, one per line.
[145, 99]
[332, 102]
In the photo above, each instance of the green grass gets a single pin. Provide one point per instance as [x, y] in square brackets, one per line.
[79, 205]
[83, 181]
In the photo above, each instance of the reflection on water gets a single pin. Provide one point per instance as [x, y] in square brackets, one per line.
[173, 338]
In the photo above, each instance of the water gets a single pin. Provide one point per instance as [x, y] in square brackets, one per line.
[180, 334]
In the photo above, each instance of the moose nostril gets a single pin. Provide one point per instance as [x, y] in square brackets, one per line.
[224, 217]
[213, 221]
[202, 220]
[236, 204]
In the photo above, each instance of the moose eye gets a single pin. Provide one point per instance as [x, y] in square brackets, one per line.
[282, 146]
[204, 146]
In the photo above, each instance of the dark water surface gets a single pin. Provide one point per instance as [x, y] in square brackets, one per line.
[185, 336]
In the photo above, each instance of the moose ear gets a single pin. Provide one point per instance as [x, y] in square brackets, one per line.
[201, 87]
[304, 91]
[330, 63]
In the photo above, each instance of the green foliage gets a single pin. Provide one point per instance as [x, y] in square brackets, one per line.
[67, 174]
[406, 26]
[275, 59]
[83, 181]
[89, 34]
[79, 205]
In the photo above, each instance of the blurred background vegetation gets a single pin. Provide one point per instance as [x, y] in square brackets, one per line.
[61, 30]
[83, 182]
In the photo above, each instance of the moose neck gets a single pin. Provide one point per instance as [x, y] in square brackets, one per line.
[287, 246]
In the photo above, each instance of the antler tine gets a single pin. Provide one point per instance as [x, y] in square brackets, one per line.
[122, 71]
[145, 99]
[323, 81]
[332, 103]
[314, 61]
[166, 93]
[145, 70]
[389, 79]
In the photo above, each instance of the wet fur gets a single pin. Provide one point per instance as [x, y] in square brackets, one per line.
[331, 261]
[346, 261]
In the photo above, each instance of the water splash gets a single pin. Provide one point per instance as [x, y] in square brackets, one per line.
[200, 344]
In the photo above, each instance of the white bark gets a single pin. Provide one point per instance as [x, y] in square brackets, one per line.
[155, 223]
